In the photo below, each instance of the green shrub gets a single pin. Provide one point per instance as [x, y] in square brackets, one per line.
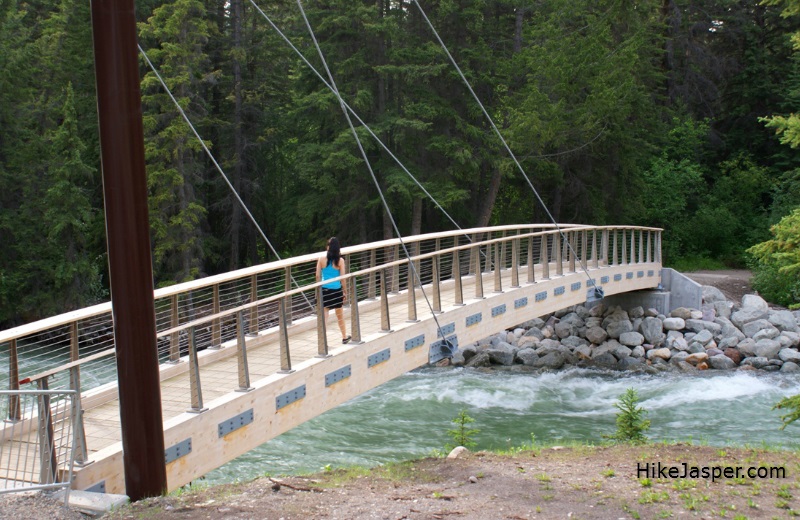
[462, 435]
[631, 423]
[776, 263]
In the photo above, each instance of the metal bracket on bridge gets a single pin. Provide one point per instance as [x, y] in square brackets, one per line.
[379, 357]
[595, 294]
[236, 422]
[444, 348]
[289, 397]
[177, 451]
[337, 375]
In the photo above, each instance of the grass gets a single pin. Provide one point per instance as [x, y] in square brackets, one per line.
[696, 263]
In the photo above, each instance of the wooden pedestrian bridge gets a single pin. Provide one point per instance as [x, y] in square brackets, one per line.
[245, 356]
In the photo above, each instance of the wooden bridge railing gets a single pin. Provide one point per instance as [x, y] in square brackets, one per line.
[75, 350]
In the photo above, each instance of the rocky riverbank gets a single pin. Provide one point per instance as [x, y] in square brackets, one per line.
[721, 335]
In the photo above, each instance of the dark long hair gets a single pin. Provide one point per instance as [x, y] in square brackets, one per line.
[334, 251]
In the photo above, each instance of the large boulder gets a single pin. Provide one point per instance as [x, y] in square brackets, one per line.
[605, 360]
[502, 354]
[554, 360]
[616, 328]
[790, 366]
[753, 308]
[755, 362]
[721, 362]
[568, 326]
[574, 342]
[752, 327]
[784, 321]
[700, 325]
[661, 353]
[767, 348]
[526, 356]
[789, 354]
[629, 363]
[674, 323]
[728, 329]
[711, 294]
[631, 339]
[734, 354]
[481, 359]
[596, 335]
[676, 340]
[723, 309]
[653, 330]
[747, 347]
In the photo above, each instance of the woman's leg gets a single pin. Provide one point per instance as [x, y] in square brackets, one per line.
[340, 319]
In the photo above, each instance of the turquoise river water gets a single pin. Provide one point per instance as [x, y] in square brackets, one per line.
[409, 417]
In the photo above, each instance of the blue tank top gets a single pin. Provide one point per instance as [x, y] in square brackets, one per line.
[329, 272]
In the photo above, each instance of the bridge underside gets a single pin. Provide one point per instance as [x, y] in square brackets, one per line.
[235, 421]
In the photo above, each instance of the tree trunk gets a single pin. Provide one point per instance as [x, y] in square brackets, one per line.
[238, 138]
[486, 203]
[416, 216]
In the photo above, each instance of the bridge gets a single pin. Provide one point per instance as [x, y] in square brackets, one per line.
[246, 355]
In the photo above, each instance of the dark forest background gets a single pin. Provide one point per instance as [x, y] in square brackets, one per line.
[622, 112]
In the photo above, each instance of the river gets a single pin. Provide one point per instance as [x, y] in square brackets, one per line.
[409, 417]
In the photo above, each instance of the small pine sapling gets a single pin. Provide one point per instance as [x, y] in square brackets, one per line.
[462, 434]
[631, 423]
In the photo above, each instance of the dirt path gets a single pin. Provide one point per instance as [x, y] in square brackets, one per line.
[580, 482]
[734, 283]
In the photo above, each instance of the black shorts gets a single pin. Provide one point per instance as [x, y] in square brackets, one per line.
[332, 298]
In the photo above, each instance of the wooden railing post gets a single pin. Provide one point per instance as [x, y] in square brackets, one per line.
[48, 462]
[241, 355]
[649, 246]
[175, 337]
[474, 254]
[283, 339]
[322, 333]
[412, 296]
[604, 247]
[216, 325]
[559, 254]
[633, 246]
[14, 412]
[81, 453]
[498, 277]
[624, 259]
[584, 247]
[385, 322]
[437, 296]
[459, 293]
[531, 268]
[572, 245]
[478, 273]
[595, 256]
[515, 262]
[614, 250]
[545, 258]
[355, 320]
[195, 387]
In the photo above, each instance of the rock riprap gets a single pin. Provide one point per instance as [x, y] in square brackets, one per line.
[719, 336]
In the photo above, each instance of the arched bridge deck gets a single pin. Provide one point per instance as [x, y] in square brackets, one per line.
[245, 358]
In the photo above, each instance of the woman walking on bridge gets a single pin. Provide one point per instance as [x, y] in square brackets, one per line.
[333, 294]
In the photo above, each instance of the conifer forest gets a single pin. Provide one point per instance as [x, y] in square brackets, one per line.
[676, 114]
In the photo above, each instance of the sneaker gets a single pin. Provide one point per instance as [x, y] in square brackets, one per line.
[347, 339]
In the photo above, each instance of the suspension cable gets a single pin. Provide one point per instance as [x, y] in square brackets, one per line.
[216, 164]
[335, 90]
[598, 290]
[355, 115]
